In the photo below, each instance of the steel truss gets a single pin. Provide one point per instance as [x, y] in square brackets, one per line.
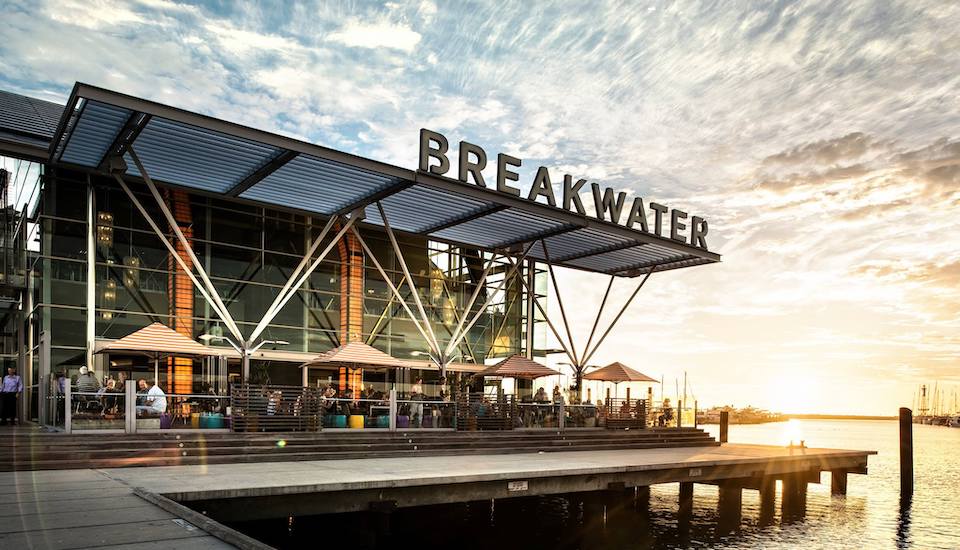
[204, 285]
[580, 361]
[441, 355]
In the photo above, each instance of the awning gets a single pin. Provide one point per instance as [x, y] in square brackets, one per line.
[158, 339]
[618, 372]
[356, 354]
[209, 156]
[517, 366]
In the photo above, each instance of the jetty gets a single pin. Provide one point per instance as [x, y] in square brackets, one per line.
[181, 489]
[250, 491]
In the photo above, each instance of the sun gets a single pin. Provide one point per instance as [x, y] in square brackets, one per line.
[792, 393]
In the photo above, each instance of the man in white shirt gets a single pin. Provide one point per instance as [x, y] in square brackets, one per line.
[155, 402]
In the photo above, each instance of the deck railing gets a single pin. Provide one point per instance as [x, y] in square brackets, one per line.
[272, 408]
[106, 411]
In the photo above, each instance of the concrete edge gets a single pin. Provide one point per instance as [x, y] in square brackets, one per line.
[213, 527]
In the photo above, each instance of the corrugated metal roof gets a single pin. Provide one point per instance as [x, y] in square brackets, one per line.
[93, 133]
[212, 161]
[27, 115]
[26, 124]
[204, 154]
[158, 338]
[321, 185]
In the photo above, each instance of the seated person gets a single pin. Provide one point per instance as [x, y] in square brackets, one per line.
[541, 396]
[109, 393]
[667, 414]
[327, 404]
[155, 401]
[274, 402]
[347, 407]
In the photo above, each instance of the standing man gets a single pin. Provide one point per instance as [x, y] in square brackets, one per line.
[11, 389]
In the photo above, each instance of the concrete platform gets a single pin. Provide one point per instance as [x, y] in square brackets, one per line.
[84, 509]
[250, 491]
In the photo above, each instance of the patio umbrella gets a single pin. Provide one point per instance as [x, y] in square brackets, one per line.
[157, 340]
[618, 372]
[517, 366]
[355, 355]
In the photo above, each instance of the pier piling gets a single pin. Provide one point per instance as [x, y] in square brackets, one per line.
[838, 482]
[643, 498]
[906, 453]
[724, 426]
[729, 505]
[768, 500]
[686, 498]
[794, 497]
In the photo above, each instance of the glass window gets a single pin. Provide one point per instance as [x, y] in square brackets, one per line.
[67, 239]
[67, 326]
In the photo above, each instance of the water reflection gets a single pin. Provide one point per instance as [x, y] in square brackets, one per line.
[903, 523]
[641, 518]
[870, 516]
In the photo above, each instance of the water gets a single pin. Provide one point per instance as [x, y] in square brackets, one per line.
[870, 516]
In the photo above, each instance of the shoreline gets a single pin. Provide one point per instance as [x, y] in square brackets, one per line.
[786, 417]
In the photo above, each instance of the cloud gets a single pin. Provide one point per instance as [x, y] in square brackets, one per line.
[829, 151]
[380, 34]
[94, 15]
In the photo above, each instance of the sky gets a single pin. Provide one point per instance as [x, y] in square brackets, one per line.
[820, 139]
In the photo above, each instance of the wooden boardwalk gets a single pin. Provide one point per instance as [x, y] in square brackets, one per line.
[254, 491]
[60, 509]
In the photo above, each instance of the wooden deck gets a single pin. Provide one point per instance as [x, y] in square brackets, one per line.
[252, 491]
[63, 509]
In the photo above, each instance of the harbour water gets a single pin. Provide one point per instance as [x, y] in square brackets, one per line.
[871, 515]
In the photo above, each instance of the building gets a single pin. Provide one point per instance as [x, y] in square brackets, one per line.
[121, 212]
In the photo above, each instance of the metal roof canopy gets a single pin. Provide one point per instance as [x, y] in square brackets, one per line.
[211, 156]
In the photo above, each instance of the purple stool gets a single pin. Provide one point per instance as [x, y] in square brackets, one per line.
[166, 421]
[403, 421]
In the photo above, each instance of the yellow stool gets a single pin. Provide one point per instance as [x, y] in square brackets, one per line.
[195, 421]
[356, 421]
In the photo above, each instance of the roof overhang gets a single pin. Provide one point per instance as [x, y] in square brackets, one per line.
[209, 156]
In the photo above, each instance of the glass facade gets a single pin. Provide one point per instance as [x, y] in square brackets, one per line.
[96, 255]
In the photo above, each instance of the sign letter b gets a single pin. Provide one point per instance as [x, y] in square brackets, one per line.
[427, 151]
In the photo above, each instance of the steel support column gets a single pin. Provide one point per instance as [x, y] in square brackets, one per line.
[292, 289]
[173, 252]
[175, 227]
[617, 318]
[462, 334]
[91, 286]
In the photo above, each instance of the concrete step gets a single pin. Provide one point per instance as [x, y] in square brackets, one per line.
[297, 456]
[319, 445]
[215, 449]
[357, 437]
